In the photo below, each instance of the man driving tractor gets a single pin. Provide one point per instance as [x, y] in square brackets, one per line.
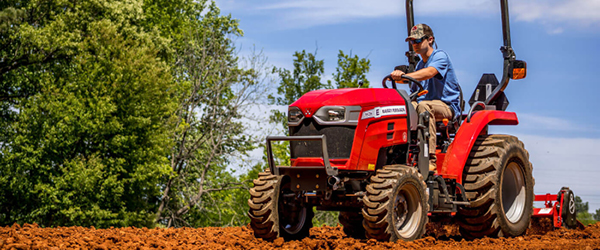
[436, 73]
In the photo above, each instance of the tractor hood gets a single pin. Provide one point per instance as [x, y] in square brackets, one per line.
[310, 102]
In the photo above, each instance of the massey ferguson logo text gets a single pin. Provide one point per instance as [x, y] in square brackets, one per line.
[383, 111]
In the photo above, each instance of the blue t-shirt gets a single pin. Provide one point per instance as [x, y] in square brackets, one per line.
[444, 85]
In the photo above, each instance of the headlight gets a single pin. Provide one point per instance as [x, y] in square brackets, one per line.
[336, 115]
[331, 114]
[295, 116]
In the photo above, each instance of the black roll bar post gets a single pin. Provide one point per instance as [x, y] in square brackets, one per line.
[413, 59]
[507, 52]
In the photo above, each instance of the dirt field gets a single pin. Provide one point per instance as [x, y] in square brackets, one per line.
[442, 237]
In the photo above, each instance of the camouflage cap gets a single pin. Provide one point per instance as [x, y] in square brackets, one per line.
[419, 31]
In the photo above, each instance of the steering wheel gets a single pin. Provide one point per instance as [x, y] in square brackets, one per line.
[414, 95]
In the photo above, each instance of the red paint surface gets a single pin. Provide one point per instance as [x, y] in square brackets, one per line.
[459, 149]
[370, 134]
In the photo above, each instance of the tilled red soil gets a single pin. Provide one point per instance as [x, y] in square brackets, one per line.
[31, 236]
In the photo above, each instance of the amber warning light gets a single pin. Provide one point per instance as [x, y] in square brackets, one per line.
[519, 70]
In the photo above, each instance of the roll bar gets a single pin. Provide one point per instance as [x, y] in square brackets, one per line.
[507, 52]
[413, 59]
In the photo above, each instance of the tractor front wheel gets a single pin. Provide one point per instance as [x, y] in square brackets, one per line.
[275, 211]
[395, 206]
[499, 185]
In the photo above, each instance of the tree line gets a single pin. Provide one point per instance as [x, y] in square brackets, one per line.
[583, 213]
[129, 113]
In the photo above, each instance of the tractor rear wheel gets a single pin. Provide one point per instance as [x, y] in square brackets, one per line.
[275, 211]
[352, 223]
[395, 206]
[499, 185]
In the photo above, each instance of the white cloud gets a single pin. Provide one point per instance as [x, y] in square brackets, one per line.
[307, 13]
[347, 9]
[472, 7]
[556, 31]
[291, 14]
[558, 15]
[551, 124]
[582, 11]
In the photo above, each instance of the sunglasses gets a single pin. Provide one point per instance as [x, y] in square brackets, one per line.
[417, 41]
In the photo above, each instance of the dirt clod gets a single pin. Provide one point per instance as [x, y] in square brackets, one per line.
[31, 236]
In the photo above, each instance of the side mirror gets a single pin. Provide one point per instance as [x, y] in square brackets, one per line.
[519, 70]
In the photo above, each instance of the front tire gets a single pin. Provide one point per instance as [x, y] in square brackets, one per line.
[499, 185]
[395, 207]
[275, 211]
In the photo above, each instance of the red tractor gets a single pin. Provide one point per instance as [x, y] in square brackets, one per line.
[363, 152]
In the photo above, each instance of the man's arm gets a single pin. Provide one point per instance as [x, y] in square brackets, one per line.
[419, 75]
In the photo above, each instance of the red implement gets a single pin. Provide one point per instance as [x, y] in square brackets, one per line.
[561, 210]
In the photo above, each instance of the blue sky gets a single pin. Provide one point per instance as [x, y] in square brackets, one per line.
[560, 40]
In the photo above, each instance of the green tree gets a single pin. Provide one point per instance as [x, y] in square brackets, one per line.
[213, 88]
[305, 77]
[31, 46]
[586, 218]
[208, 133]
[582, 211]
[121, 113]
[581, 206]
[225, 205]
[87, 100]
[596, 216]
[351, 70]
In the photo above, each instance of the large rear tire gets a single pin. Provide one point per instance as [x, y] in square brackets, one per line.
[275, 211]
[499, 185]
[395, 207]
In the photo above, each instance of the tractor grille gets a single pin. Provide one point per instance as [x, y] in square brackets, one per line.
[339, 140]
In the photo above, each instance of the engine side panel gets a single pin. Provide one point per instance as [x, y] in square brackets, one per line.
[381, 133]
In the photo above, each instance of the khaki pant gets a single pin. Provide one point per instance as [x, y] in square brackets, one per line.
[438, 111]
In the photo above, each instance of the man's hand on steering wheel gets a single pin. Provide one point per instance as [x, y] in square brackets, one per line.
[405, 78]
[397, 76]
